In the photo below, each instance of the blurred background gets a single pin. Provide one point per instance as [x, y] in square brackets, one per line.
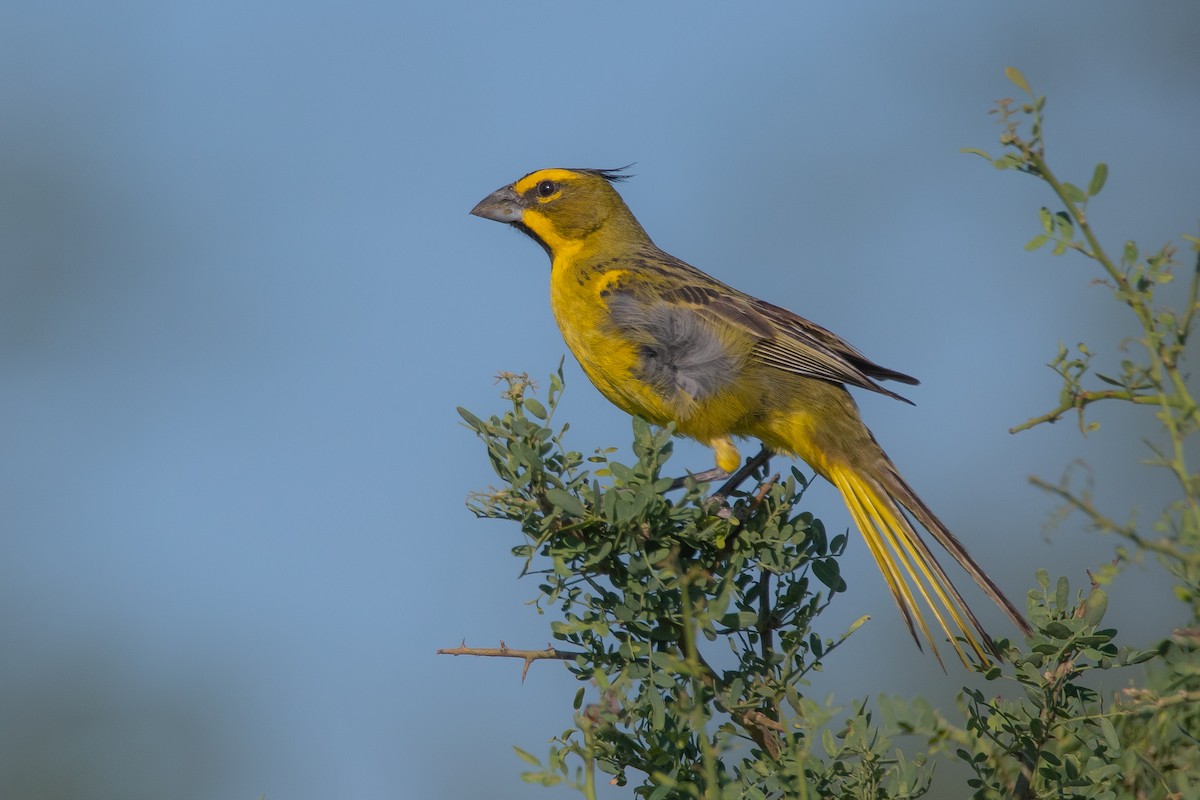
[240, 298]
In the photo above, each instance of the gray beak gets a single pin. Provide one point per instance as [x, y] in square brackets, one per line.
[502, 205]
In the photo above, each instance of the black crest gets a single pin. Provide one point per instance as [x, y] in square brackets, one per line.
[611, 175]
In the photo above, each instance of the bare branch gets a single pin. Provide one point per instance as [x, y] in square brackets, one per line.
[504, 651]
[1105, 523]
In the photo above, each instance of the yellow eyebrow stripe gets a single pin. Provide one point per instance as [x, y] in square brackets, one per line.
[534, 178]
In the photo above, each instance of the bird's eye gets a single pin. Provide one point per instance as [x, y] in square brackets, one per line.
[547, 188]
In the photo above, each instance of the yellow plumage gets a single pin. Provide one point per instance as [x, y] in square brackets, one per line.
[663, 340]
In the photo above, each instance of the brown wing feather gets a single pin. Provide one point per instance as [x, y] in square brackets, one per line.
[806, 348]
[784, 340]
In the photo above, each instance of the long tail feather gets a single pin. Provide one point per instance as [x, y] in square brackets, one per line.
[909, 567]
[891, 575]
[901, 491]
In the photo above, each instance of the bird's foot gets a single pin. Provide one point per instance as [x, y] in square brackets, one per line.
[738, 478]
[720, 497]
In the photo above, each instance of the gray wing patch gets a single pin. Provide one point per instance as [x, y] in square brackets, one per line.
[682, 355]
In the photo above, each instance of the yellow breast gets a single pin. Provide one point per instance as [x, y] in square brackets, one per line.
[578, 298]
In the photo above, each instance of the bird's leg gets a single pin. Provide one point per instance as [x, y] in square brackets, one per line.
[746, 471]
[726, 453]
[727, 457]
[736, 480]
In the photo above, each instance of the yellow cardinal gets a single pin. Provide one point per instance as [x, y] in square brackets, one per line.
[663, 340]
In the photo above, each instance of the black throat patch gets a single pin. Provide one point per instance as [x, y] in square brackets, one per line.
[525, 229]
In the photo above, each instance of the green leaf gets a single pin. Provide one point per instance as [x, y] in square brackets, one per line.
[1051, 775]
[1098, 640]
[818, 542]
[1073, 193]
[1143, 656]
[621, 472]
[1047, 219]
[827, 572]
[1062, 591]
[528, 758]
[662, 791]
[522, 453]
[535, 408]
[734, 620]
[975, 151]
[1057, 630]
[1063, 227]
[1014, 75]
[472, 420]
[1110, 735]
[1094, 607]
[1130, 255]
[1036, 242]
[567, 502]
[1099, 176]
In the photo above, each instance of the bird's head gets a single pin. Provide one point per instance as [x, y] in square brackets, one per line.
[561, 209]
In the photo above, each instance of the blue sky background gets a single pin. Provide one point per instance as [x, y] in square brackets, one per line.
[240, 298]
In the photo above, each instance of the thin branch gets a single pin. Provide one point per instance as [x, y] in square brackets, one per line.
[765, 629]
[739, 477]
[1184, 328]
[697, 672]
[1143, 700]
[1037, 160]
[708, 476]
[745, 472]
[1106, 523]
[1023, 788]
[1080, 400]
[504, 651]
[750, 720]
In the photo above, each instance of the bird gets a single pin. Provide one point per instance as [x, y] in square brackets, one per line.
[665, 341]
